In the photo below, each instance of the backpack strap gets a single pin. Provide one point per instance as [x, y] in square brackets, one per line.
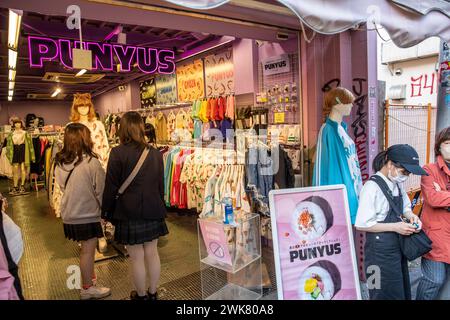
[387, 192]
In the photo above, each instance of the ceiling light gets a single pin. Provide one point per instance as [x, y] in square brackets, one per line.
[12, 59]
[11, 85]
[10, 93]
[12, 75]
[81, 72]
[9, 98]
[15, 18]
[57, 91]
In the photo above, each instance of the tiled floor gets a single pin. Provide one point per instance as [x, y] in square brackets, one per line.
[48, 256]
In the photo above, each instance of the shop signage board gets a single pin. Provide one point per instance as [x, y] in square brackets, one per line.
[219, 72]
[215, 240]
[313, 244]
[166, 89]
[148, 60]
[276, 65]
[190, 81]
[147, 91]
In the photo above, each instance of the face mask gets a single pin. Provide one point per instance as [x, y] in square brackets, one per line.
[445, 151]
[399, 178]
[84, 111]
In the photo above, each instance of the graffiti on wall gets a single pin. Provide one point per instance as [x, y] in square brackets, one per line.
[359, 126]
[423, 84]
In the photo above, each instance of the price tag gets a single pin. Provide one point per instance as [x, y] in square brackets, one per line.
[279, 117]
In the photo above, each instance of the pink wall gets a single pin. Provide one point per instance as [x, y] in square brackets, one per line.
[57, 112]
[270, 49]
[320, 63]
[118, 101]
[245, 59]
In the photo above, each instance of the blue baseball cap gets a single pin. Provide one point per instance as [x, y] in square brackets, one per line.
[407, 157]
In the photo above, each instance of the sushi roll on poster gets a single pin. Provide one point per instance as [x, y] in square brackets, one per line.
[313, 244]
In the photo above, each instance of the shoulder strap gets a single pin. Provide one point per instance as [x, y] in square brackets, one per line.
[134, 173]
[387, 192]
[68, 177]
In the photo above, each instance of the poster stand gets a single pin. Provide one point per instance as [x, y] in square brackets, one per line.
[230, 259]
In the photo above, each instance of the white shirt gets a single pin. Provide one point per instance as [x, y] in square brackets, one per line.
[373, 205]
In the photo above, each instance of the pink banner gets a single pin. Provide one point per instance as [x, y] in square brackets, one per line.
[215, 241]
[313, 244]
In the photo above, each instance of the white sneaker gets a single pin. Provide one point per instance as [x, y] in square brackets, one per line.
[94, 292]
[102, 245]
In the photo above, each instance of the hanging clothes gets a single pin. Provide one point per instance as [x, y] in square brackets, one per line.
[161, 127]
[171, 125]
[229, 113]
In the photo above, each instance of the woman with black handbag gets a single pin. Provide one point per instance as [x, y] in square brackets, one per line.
[384, 213]
[133, 201]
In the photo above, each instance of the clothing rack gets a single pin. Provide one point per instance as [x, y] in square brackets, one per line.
[158, 107]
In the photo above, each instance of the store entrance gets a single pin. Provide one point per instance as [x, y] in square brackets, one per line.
[203, 93]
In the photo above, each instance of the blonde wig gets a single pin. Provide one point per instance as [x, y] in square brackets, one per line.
[79, 100]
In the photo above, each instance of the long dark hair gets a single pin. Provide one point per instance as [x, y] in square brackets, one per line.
[131, 130]
[77, 142]
[150, 133]
[382, 159]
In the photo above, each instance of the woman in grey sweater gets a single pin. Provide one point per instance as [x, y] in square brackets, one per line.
[81, 177]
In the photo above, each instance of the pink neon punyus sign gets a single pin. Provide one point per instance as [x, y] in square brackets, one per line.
[149, 60]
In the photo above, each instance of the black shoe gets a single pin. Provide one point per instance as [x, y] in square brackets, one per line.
[134, 296]
[152, 296]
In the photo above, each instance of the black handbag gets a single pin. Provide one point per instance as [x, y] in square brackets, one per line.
[415, 245]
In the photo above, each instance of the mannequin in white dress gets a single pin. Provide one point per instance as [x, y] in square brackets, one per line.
[83, 112]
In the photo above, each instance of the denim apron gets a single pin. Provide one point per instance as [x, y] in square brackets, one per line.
[382, 249]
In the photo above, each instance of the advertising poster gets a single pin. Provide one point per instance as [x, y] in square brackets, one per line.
[166, 89]
[313, 244]
[215, 240]
[147, 89]
[190, 81]
[219, 72]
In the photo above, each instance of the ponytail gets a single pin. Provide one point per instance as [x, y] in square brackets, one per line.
[380, 161]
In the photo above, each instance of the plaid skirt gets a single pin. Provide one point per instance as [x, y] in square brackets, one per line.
[83, 232]
[130, 232]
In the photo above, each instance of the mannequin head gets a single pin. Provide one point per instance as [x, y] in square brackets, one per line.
[17, 124]
[338, 101]
[82, 107]
[442, 146]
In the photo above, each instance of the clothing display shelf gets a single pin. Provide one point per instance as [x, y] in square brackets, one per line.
[230, 259]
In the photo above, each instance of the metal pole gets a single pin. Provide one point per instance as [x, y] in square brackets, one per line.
[443, 104]
[428, 133]
[386, 126]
